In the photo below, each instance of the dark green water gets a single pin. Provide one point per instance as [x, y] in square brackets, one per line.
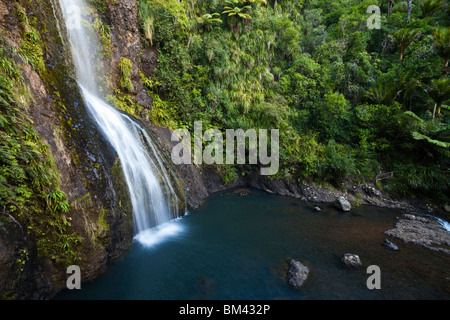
[237, 247]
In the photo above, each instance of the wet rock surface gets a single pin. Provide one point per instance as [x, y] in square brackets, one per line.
[351, 260]
[99, 205]
[390, 245]
[422, 231]
[297, 274]
[342, 204]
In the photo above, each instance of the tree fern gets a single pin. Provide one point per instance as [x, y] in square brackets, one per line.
[418, 136]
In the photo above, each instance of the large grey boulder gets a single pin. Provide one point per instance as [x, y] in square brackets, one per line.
[342, 203]
[297, 274]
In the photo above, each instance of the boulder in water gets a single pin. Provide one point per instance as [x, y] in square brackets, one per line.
[388, 244]
[351, 260]
[297, 274]
[342, 203]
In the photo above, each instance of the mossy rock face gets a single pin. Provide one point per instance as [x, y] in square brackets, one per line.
[100, 212]
[89, 171]
[14, 272]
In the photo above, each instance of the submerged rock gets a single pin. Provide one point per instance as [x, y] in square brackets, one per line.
[242, 192]
[414, 217]
[297, 274]
[351, 260]
[388, 244]
[342, 203]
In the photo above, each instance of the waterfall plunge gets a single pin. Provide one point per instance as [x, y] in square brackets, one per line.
[152, 206]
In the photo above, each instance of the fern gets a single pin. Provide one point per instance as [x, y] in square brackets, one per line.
[418, 136]
[412, 114]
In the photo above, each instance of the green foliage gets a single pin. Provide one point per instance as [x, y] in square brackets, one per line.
[421, 181]
[29, 182]
[100, 5]
[442, 43]
[403, 39]
[228, 174]
[30, 45]
[430, 8]
[439, 91]
[126, 69]
[207, 20]
[56, 201]
[430, 131]
[338, 164]
[104, 32]
[337, 91]
[32, 49]
[22, 259]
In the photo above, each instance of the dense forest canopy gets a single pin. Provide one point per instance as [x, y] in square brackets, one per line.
[350, 99]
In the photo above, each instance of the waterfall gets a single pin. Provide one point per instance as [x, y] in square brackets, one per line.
[152, 195]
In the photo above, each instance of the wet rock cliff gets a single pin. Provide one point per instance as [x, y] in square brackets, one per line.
[97, 226]
[39, 242]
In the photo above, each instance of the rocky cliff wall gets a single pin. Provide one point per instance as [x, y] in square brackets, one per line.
[99, 219]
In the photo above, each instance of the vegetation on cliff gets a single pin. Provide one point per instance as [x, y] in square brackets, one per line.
[350, 102]
[30, 191]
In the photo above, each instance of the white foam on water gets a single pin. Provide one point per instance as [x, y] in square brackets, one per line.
[154, 236]
[444, 224]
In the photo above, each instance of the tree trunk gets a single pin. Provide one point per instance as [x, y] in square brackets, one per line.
[409, 9]
[438, 111]
[434, 110]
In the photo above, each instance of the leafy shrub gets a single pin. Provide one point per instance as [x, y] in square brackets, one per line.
[29, 182]
[422, 181]
[126, 69]
[337, 165]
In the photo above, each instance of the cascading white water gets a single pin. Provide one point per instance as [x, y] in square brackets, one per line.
[140, 162]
